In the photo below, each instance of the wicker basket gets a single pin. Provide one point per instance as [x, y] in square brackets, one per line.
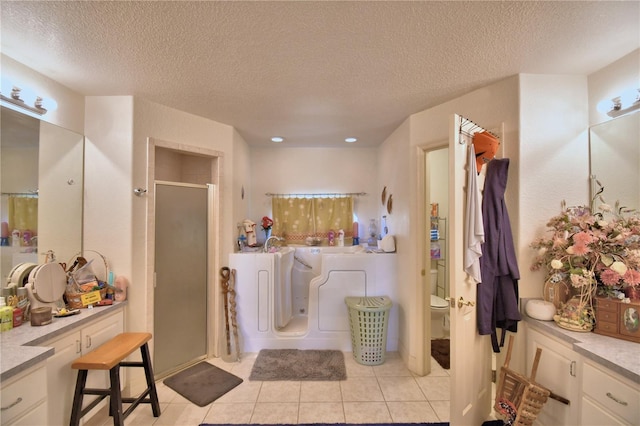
[519, 399]
[74, 300]
[101, 271]
[100, 266]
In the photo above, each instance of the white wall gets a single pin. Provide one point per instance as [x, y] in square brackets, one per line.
[70, 112]
[554, 149]
[611, 81]
[241, 184]
[117, 129]
[315, 170]
[491, 107]
[394, 157]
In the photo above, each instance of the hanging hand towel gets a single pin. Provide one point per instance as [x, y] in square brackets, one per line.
[474, 225]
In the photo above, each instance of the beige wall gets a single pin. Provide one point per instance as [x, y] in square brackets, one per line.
[315, 170]
[117, 130]
[70, 111]
[611, 81]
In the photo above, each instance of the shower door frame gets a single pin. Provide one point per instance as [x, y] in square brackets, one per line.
[181, 315]
[214, 302]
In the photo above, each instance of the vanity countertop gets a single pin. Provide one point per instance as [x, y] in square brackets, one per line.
[20, 347]
[618, 355]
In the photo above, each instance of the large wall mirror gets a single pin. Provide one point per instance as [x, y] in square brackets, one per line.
[614, 149]
[41, 179]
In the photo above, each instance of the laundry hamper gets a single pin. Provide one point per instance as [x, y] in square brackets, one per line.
[519, 399]
[368, 319]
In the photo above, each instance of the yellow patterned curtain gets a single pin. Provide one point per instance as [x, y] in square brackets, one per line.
[23, 213]
[299, 218]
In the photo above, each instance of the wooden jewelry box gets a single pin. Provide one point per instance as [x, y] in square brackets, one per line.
[617, 319]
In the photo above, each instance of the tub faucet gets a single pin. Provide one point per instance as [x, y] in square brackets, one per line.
[266, 243]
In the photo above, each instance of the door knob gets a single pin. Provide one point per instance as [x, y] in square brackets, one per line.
[462, 302]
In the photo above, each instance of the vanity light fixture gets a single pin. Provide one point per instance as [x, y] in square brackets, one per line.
[277, 139]
[627, 102]
[39, 105]
[350, 140]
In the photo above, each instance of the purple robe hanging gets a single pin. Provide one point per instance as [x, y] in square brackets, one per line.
[497, 299]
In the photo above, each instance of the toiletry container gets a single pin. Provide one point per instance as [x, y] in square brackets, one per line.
[439, 308]
[15, 238]
[6, 316]
[341, 238]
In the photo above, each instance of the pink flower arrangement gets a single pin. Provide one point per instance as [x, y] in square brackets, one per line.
[585, 250]
[267, 223]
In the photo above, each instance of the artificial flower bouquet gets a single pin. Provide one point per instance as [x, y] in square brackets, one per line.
[586, 254]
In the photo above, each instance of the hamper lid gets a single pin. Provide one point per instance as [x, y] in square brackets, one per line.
[368, 303]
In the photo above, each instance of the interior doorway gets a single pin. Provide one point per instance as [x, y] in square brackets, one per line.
[181, 166]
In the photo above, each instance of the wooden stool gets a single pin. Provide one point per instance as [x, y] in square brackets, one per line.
[110, 356]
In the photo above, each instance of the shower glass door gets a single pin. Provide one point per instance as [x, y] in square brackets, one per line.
[180, 296]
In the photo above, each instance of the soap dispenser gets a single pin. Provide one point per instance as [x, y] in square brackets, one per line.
[341, 238]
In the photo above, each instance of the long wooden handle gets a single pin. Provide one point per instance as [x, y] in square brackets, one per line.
[536, 361]
[508, 357]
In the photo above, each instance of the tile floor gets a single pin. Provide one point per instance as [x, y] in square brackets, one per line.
[387, 393]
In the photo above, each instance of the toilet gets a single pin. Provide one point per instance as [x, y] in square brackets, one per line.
[439, 309]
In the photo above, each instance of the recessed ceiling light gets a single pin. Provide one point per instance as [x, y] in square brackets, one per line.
[350, 140]
[277, 139]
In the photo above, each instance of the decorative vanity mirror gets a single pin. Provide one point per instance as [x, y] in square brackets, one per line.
[41, 180]
[614, 149]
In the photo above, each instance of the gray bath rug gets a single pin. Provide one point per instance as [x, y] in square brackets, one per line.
[295, 364]
[202, 383]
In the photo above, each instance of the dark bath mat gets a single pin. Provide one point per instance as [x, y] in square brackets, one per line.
[202, 383]
[295, 364]
[440, 351]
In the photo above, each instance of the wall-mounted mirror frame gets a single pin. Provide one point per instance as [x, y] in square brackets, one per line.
[614, 161]
[45, 163]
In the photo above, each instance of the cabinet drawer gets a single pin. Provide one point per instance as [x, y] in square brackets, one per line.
[23, 394]
[612, 394]
[603, 304]
[608, 316]
[607, 327]
[592, 415]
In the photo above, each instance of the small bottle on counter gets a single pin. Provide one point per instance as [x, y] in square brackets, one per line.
[6, 316]
[17, 316]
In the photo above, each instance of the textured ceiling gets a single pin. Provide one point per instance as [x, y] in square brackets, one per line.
[312, 72]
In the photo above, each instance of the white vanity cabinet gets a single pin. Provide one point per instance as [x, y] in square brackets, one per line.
[61, 379]
[560, 372]
[24, 399]
[608, 398]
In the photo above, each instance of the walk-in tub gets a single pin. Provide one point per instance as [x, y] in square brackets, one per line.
[294, 298]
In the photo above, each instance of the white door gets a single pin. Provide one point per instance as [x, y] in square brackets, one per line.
[470, 352]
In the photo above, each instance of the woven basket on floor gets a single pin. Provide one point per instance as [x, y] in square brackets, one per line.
[519, 399]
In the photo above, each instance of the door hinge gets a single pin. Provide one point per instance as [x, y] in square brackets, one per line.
[493, 376]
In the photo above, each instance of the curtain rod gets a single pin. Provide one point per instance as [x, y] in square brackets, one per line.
[22, 194]
[323, 194]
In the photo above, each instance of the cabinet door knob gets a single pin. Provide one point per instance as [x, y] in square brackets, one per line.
[619, 401]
